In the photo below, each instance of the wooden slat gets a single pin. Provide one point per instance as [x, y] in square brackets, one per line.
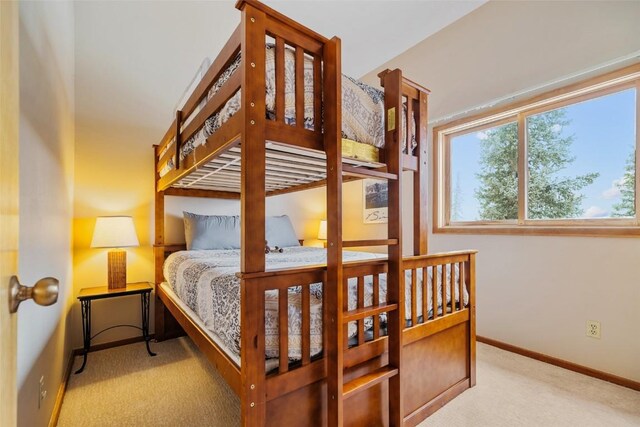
[221, 63]
[190, 192]
[429, 260]
[360, 243]
[283, 329]
[306, 325]
[279, 385]
[453, 287]
[317, 93]
[368, 173]
[367, 351]
[280, 101]
[294, 34]
[424, 330]
[376, 301]
[166, 156]
[225, 137]
[168, 136]
[213, 105]
[369, 380]
[360, 306]
[296, 275]
[178, 142]
[445, 283]
[414, 297]
[292, 135]
[425, 288]
[434, 291]
[299, 74]
[363, 312]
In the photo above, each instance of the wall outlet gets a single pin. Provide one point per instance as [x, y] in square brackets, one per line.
[593, 329]
[42, 393]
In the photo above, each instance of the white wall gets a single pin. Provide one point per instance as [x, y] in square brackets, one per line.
[46, 191]
[538, 292]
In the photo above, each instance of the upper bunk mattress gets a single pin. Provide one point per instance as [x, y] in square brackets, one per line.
[362, 105]
[206, 282]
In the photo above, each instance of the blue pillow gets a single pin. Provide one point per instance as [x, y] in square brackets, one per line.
[280, 232]
[211, 231]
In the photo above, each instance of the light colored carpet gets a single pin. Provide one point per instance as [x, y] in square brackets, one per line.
[125, 387]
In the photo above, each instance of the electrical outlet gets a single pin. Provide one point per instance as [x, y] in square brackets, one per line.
[593, 329]
[42, 393]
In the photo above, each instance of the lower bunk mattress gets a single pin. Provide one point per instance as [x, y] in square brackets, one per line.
[206, 283]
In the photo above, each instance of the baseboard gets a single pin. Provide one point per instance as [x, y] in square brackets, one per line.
[111, 344]
[624, 382]
[55, 414]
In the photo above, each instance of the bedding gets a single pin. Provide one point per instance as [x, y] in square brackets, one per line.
[206, 282]
[362, 112]
[211, 231]
[279, 232]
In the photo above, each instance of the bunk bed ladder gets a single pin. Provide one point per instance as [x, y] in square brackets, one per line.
[338, 390]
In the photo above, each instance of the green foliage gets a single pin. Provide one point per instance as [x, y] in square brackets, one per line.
[626, 206]
[550, 195]
[498, 191]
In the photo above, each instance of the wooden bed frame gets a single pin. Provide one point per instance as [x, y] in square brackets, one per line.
[397, 379]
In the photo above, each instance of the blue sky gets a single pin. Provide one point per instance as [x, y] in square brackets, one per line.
[604, 135]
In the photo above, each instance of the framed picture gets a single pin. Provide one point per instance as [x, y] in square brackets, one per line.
[375, 195]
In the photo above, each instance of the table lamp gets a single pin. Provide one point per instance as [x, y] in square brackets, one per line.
[322, 232]
[115, 232]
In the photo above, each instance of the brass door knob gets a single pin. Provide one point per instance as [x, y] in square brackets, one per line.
[44, 292]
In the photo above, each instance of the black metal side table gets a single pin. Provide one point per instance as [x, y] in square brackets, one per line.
[101, 292]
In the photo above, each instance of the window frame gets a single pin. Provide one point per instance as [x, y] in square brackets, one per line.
[613, 82]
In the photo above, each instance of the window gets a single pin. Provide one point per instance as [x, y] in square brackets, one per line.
[563, 163]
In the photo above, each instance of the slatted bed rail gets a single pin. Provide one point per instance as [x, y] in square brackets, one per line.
[447, 274]
[291, 291]
[443, 287]
[287, 39]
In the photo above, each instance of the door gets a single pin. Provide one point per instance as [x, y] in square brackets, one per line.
[9, 115]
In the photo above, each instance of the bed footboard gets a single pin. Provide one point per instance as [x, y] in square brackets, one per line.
[438, 361]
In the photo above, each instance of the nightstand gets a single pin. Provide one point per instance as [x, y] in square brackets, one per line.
[87, 295]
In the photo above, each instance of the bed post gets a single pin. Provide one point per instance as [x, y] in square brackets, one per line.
[252, 202]
[420, 200]
[392, 82]
[471, 288]
[333, 289]
[158, 251]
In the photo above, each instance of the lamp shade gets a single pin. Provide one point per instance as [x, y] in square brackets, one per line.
[322, 230]
[114, 232]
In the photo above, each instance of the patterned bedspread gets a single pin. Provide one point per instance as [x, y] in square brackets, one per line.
[362, 112]
[206, 282]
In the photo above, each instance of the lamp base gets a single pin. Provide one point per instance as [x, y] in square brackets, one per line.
[117, 265]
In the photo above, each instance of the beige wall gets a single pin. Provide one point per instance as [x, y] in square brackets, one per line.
[538, 292]
[46, 192]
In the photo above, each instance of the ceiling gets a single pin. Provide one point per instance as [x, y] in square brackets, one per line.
[135, 59]
[374, 31]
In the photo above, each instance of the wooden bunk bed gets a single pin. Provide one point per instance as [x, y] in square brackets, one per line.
[396, 378]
